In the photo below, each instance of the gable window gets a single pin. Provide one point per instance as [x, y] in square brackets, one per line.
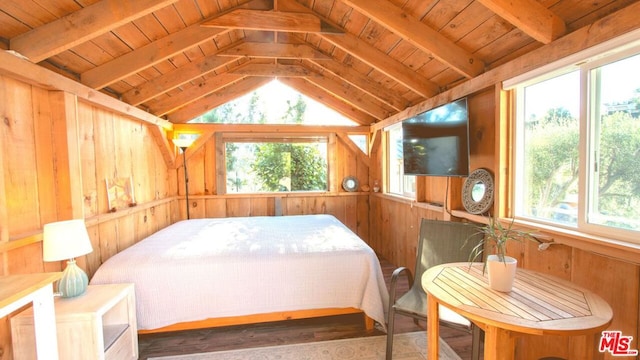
[275, 164]
[397, 182]
[578, 144]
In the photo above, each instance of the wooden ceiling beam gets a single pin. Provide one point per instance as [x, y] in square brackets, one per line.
[249, 19]
[175, 78]
[81, 26]
[362, 82]
[274, 70]
[383, 63]
[30, 73]
[351, 96]
[274, 51]
[213, 100]
[147, 56]
[530, 16]
[303, 50]
[329, 100]
[372, 56]
[157, 51]
[193, 93]
[420, 35]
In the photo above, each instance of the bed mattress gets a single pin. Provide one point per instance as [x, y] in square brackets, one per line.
[209, 268]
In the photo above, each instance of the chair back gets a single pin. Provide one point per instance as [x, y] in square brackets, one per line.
[443, 242]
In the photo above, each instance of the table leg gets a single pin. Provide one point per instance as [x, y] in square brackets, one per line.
[44, 323]
[433, 327]
[498, 344]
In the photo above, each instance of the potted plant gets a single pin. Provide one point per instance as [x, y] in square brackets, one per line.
[501, 268]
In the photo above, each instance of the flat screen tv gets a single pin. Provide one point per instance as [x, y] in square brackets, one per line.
[436, 142]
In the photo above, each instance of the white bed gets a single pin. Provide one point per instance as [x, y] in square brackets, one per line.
[201, 269]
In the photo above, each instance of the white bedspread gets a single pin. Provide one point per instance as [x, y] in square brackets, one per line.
[208, 268]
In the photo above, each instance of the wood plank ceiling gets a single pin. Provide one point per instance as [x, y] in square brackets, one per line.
[367, 59]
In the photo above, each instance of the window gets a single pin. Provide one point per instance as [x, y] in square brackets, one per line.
[397, 182]
[274, 165]
[578, 144]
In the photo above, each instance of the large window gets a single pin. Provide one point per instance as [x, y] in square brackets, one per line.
[578, 146]
[275, 165]
[397, 182]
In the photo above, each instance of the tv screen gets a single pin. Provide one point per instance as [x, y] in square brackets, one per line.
[436, 142]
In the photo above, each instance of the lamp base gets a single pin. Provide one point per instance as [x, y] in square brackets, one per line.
[74, 281]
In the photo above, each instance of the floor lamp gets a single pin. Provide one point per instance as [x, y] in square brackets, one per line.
[183, 144]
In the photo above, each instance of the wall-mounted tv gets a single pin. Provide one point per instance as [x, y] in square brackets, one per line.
[436, 142]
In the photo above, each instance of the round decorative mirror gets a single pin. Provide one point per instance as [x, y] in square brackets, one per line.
[350, 183]
[477, 192]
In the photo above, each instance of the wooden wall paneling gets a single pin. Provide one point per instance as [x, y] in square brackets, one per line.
[435, 187]
[362, 218]
[68, 174]
[615, 281]
[123, 146]
[210, 166]
[196, 166]
[143, 163]
[106, 168]
[482, 118]
[143, 225]
[335, 182]
[43, 142]
[196, 170]
[90, 182]
[220, 169]
[454, 195]
[216, 207]
[238, 207]
[262, 206]
[28, 259]
[162, 175]
[4, 215]
[348, 163]
[334, 205]
[126, 228]
[108, 240]
[21, 188]
[94, 258]
[556, 260]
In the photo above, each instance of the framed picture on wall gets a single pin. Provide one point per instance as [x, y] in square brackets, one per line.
[120, 193]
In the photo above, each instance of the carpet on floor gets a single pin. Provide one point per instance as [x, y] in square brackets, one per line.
[407, 346]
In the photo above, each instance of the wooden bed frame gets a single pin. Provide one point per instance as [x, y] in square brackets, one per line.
[261, 318]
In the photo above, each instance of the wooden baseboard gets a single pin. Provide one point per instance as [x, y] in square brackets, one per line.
[260, 318]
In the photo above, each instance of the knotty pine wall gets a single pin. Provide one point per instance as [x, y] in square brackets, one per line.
[56, 150]
[55, 154]
[395, 226]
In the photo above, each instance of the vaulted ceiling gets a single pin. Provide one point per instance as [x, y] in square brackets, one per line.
[366, 59]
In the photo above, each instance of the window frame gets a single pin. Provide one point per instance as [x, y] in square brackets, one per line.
[256, 137]
[585, 63]
[406, 181]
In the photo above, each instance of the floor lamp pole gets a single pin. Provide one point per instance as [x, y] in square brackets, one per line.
[186, 179]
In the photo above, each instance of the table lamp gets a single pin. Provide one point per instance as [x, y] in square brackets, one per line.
[66, 240]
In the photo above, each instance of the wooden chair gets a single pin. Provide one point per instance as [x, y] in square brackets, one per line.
[440, 242]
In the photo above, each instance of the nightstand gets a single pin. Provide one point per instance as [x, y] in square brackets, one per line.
[100, 324]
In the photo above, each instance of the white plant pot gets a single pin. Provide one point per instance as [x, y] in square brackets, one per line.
[501, 274]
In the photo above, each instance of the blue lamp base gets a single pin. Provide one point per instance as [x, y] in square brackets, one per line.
[74, 281]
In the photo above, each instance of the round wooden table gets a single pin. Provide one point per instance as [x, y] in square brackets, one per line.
[538, 304]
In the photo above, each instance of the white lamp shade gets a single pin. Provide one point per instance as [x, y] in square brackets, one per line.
[182, 142]
[65, 240]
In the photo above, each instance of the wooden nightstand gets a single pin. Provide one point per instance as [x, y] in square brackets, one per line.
[100, 324]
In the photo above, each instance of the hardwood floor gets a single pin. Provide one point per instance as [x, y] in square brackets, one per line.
[288, 332]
